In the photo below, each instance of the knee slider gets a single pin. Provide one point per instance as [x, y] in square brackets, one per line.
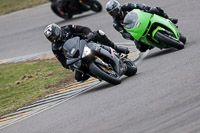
[101, 33]
[154, 10]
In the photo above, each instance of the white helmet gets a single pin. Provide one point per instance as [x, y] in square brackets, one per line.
[53, 32]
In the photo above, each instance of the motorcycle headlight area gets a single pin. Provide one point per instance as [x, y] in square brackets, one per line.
[86, 51]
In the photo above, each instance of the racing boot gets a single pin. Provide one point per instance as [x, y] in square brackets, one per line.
[121, 49]
[160, 11]
[103, 39]
[174, 20]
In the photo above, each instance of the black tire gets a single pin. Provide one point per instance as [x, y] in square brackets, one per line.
[167, 40]
[182, 38]
[95, 70]
[96, 6]
[55, 10]
[68, 16]
[131, 69]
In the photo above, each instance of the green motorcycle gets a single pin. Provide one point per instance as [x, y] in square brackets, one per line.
[153, 30]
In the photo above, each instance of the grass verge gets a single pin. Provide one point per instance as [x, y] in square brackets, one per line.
[8, 6]
[24, 83]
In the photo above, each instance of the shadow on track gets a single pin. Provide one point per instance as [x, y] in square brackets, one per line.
[148, 55]
[161, 53]
[141, 57]
[75, 18]
[106, 85]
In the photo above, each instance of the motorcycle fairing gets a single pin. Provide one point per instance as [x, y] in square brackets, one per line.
[71, 47]
[136, 23]
[139, 23]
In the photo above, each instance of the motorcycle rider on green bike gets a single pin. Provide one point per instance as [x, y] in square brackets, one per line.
[119, 12]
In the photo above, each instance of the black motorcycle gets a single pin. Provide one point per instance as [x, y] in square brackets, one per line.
[97, 60]
[66, 10]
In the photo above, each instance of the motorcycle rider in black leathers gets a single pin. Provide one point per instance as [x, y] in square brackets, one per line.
[119, 12]
[59, 35]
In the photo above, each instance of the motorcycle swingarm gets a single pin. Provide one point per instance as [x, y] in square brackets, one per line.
[101, 52]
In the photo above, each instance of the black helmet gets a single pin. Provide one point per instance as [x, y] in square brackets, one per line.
[53, 33]
[113, 8]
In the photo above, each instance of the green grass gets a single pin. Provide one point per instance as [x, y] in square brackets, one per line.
[7, 6]
[23, 83]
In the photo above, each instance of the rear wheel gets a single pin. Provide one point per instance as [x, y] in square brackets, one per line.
[96, 6]
[169, 40]
[109, 76]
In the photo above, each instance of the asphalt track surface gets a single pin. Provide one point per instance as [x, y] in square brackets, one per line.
[164, 96]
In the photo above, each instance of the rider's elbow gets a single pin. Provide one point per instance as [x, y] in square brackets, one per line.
[127, 36]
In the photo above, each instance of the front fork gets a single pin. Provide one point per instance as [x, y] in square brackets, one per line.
[176, 35]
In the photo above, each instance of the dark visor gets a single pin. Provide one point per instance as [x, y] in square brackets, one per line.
[52, 37]
[114, 12]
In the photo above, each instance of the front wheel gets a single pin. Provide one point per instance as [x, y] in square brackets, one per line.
[55, 10]
[182, 38]
[169, 40]
[131, 69]
[96, 6]
[101, 73]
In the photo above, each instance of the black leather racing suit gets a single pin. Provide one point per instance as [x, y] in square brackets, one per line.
[118, 21]
[77, 30]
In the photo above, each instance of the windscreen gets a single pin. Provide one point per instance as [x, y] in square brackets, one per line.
[71, 47]
[130, 19]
